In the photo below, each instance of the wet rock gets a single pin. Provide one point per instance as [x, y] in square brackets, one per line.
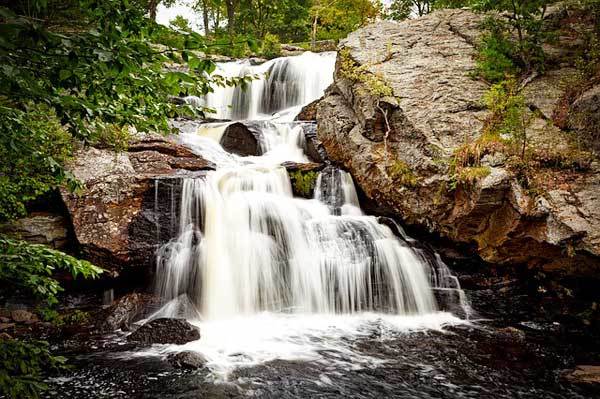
[584, 374]
[40, 228]
[312, 146]
[435, 108]
[123, 313]
[308, 112]
[116, 219]
[242, 139]
[187, 360]
[165, 331]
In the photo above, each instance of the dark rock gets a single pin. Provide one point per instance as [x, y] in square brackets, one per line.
[302, 167]
[165, 331]
[241, 139]
[312, 146]
[187, 360]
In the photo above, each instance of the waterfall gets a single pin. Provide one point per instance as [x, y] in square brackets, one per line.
[246, 245]
[269, 275]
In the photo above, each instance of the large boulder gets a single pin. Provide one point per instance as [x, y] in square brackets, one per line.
[165, 331]
[125, 210]
[399, 148]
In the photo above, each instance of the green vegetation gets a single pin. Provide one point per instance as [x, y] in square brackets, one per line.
[22, 366]
[402, 174]
[28, 268]
[304, 182]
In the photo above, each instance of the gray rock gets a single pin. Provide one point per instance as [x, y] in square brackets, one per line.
[165, 331]
[436, 108]
[187, 360]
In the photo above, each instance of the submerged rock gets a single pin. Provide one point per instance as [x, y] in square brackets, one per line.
[165, 331]
[187, 360]
[399, 148]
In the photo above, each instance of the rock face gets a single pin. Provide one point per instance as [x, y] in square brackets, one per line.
[435, 108]
[128, 204]
[123, 313]
[165, 331]
[40, 228]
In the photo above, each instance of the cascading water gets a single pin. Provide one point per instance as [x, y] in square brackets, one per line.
[248, 252]
[286, 84]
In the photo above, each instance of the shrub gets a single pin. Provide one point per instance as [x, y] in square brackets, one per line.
[271, 47]
[22, 364]
[402, 174]
[303, 182]
[496, 53]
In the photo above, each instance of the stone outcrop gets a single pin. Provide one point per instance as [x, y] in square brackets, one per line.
[165, 331]
[129, 200]
[48, 228]
[399, 148]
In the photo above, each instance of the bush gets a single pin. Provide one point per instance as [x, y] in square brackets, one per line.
[496, 53]
[22, 365]
[271, 47]
[28, 268]
[33, 147]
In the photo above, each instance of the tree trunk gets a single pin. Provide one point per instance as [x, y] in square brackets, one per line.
[231, 18]
[313, 39]
[205, 11]
[152, 5]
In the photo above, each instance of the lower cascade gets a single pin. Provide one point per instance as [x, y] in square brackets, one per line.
[245, 245]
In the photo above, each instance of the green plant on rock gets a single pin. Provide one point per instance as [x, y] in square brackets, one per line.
[496, 53]
[402, 174]
[374, 84]
[304, 182]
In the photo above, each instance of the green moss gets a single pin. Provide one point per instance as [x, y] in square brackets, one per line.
[402, 174]
[303, 182]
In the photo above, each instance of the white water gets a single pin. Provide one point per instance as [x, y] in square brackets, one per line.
[266, 275]
[283, 86]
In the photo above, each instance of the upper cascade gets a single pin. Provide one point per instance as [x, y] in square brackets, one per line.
[281, 86]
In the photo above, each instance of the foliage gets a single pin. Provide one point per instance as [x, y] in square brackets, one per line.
[303, 182]
[403, 9]
[270, 46]
[525, 18]
[33, 147]
[349, 69]
[181, 24]
[334, 19]
[402, 174]
[28, 268]
[496, 53]
[22, 364]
